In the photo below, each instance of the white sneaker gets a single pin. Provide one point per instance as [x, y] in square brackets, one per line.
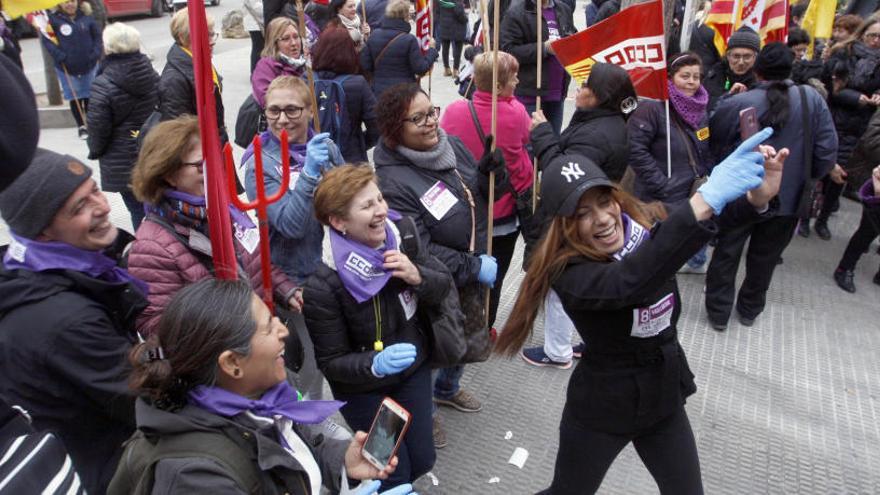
[699, 270]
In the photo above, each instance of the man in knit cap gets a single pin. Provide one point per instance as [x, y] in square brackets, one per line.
[735, 72]
[67, 314]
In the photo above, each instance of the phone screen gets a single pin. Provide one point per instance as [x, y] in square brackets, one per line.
[384, 435]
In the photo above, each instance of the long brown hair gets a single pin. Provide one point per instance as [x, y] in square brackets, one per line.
[561, 243]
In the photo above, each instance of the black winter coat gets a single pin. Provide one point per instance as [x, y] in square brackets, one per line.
[79, 42]
[866, 154]
[64, 343]
[177, 90]
[647, 156]
[607, 9]
[402, 62]
[123, 95]
[403, 185]
[361, 106]
[596, 133]
[344, 330]
[719, 79]
[450, 22]
[519, 39]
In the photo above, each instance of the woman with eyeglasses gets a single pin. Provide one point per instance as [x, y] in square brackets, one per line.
[172, 247]
[282, 55]
[433, 178]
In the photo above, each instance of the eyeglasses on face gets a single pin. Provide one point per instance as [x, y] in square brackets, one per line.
[740, 57]
[421, 119]
[285, 39]
[872, 36]
[291, 111]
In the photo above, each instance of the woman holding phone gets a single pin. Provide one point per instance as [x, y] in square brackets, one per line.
[614, 271]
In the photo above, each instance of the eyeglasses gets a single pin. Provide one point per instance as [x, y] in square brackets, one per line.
[421, 119]
[872, 36]
[199, 165]
[292, 112]
[285, 39]
[741, 58]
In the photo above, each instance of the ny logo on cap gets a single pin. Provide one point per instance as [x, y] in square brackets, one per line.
[572, 171]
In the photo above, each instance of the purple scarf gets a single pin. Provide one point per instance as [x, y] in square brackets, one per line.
[39, 256]
[868, 195]
[634, 235]
[239, 218]
[360, 266]
[281, 400]
[692, 109]
[297, 151]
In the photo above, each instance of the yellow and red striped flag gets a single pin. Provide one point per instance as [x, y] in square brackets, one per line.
[40, 21]
[423, 23]
[768, 18]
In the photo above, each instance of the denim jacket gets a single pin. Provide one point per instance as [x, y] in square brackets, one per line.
[295, 235]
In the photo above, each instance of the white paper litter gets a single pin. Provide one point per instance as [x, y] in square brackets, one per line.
[434, 480]
[494, 479]
[508, 435]
[519, 457]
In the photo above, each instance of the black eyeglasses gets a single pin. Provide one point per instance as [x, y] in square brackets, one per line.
[291, 111]
[421, 119]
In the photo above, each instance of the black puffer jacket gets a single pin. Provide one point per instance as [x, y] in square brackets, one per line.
[596, 133]
[177, 90]
[64, 340]
[518, 38]
[123, 96]
[403, 185]
[361, 106]
[719, 79]
[402, 62]
[866, 154]
[344, 330]
[451, 22]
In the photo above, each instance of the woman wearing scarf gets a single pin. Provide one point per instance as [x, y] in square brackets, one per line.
[360, 308]
[172, 247]
[282, 55]
[345, 15]
[614, 272]
[216, 411]
[689, 138]
[431, 177]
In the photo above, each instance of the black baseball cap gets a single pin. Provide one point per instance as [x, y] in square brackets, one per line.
[566, 179]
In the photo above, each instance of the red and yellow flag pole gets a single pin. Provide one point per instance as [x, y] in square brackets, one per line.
[493, 130]
[304, 39]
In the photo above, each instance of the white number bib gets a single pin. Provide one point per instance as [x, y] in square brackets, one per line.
[438, 200]
[650, 321]
[410, 302]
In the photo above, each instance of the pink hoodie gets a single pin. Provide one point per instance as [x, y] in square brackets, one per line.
[513, 135]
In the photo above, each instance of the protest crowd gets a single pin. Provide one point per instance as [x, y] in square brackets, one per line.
[242, 337]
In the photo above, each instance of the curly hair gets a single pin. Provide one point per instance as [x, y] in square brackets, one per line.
[391, 109]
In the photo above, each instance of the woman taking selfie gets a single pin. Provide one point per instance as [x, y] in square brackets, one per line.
[615, 276]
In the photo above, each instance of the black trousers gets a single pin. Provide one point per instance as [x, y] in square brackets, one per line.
[502, 249]
[457, 47]
[768, 240]
[257, 43]
[668, 450]
[859, 242]
[831, 198]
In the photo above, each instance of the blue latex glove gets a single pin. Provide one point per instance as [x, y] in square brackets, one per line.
[372, 488]
[488, 270]
[740, 172]
[394, 359]
[335, 155]
[317, 155]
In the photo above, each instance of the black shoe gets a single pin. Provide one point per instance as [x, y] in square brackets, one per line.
[717, 326]
[844, 279]
[822, 231]
[876, 278]
[82, 132]
[746, 322]
[803, 229]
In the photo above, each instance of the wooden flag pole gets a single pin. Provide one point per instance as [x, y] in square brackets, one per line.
[493, 132]
[304, 39]
[430, 35]
[484, 15]
[539, 28]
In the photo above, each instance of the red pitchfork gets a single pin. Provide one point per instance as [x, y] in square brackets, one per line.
[261, 203]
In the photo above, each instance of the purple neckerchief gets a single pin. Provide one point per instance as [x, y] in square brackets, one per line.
[634, 235]
[555, 71]
[868, 195]
[239, 218]
[297, 151]
[39, 256]
[359, 266]
[692, 109]
[280, 400]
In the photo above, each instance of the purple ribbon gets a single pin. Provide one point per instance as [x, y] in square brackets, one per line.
[39, 256]
[281, 400]
[360, 266]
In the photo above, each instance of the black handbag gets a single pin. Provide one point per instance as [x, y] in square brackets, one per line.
[250, 122]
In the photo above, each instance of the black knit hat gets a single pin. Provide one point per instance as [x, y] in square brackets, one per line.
[30, 203]
[744, 37]
[565, 180]
[774, 62]
[19, 126]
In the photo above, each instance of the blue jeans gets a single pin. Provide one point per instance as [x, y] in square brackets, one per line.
[552, 110]
[698, 259]
[416, 455]
[446, 383]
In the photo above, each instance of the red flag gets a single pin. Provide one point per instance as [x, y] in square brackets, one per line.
[632, 39]
[765, 17]
[219, 223]
[423, 23]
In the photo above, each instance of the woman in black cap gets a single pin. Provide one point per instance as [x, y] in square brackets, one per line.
[615, 276]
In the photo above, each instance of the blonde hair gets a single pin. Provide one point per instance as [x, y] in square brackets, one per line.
[161, 155]
[180, 27]
[294, 83]
[121, 38]
[274, 31]
[398, 9]
[507, 68]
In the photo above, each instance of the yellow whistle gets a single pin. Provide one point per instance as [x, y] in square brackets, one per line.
[378, 346]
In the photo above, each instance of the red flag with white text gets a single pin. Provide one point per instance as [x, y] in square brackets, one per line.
[632, 39]
[423, 23]
[40, 21]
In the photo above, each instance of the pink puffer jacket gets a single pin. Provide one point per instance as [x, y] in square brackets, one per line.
[166, 265]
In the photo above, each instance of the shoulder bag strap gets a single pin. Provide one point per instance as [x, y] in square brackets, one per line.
[473, 207]
[476, 121]
[382, 53]
[687, 145]
[808, 136]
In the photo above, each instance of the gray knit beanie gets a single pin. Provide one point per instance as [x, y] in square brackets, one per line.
[30, 203]
[744, 37]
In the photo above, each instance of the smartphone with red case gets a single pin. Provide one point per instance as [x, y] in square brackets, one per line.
[748, 123]
[386, 433]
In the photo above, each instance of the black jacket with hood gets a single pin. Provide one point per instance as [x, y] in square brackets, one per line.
[719, 79]
[177, 90]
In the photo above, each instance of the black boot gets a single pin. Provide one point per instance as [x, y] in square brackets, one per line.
[803, 229]
[844, 279]
[876, 278]
[821, 228]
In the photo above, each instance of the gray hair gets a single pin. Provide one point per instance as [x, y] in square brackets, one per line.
[121, 38]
